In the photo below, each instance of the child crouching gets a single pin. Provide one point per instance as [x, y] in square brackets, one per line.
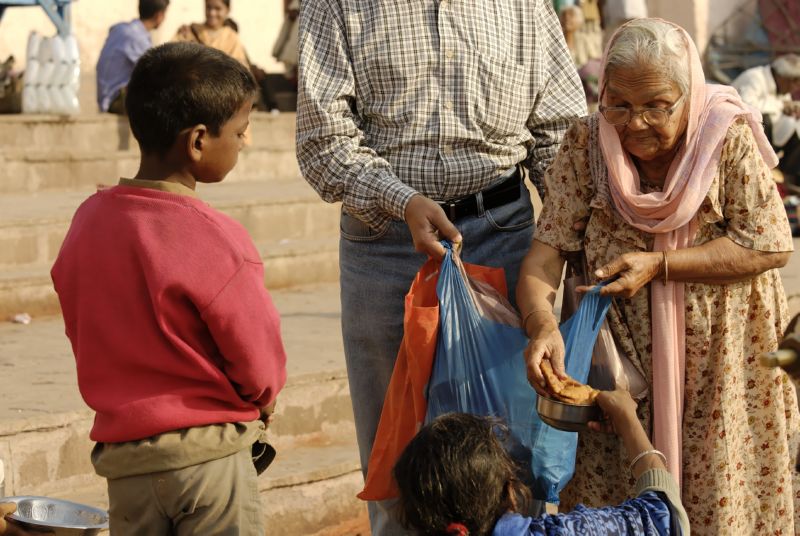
[176, 340]
[456, 479]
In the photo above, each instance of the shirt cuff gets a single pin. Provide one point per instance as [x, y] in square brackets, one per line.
[384, 192]
[394, 199]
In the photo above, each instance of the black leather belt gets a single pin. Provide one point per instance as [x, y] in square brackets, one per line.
[493, 197]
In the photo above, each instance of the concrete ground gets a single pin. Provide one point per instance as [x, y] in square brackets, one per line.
[38, 371]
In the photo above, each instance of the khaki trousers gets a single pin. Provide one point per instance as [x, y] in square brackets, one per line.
[219, 497]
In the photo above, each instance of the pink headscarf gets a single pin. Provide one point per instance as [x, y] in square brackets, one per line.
[670, 216]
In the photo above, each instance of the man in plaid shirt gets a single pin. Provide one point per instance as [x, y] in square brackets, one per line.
[420, 117]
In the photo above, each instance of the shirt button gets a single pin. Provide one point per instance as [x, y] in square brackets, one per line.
[443, 4]
[447, 149]
[449, 54]
[448, 105]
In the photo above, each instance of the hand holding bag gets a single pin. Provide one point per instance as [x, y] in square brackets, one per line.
[611, 368]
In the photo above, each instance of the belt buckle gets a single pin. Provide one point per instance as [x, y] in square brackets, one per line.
[451, 210]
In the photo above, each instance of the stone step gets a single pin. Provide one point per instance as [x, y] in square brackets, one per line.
[311, 487]
[50, 455]
[32, 226]
[106, 132]
[308, 492]
[40, 388]
[287, 263]
[43, 169]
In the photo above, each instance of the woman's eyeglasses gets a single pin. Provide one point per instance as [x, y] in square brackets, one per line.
[655, 117]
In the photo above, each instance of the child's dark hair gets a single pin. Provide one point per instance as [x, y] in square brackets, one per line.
[456, 471]
[179, 85]
[150, 8]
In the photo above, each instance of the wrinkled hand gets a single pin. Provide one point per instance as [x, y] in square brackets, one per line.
[635, 270]
[428, 224]
[619, 408]
[546, 343]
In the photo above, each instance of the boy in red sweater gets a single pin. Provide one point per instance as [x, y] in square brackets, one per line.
[176, 340]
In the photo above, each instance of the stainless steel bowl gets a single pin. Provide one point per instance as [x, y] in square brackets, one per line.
[56, 516]
[567, 417]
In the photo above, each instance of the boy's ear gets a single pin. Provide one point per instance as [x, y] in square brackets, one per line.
[196, 141]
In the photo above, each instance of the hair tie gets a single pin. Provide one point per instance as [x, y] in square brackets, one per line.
[457, 529]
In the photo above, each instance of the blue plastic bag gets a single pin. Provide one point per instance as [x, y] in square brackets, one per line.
[480, 369]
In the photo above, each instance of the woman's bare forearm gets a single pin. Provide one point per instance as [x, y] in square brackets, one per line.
[539, 278]
[720, 262]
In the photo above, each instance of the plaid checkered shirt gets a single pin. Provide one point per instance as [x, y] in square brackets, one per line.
[438, 97]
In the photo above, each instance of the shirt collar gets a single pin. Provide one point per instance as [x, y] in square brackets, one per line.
[163, 186]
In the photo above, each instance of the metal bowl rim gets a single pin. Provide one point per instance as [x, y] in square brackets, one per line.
[554, 401]
[36, 522]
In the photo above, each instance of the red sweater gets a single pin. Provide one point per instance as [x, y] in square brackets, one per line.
[164, 303]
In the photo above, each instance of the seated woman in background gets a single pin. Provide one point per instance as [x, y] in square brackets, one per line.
[218, 31]
[456, 479]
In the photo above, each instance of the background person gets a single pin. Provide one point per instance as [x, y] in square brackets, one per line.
[421, 136]
[615, 13]
[584, 47]
[214, 32]
[674, 178]
[769, 89]
[125, 44]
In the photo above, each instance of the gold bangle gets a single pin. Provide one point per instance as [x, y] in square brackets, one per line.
[530, 314]
[666, 267]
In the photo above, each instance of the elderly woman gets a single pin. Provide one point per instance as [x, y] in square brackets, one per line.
[668, 190]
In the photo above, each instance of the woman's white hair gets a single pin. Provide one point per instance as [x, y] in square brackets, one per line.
[787, 66]
[651, 42]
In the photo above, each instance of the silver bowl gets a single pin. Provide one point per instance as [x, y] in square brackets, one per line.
[567, 417]
[56, 516]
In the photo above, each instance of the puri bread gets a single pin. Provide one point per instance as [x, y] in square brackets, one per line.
[568, 390]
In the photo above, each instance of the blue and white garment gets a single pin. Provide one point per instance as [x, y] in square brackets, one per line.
[649, 514]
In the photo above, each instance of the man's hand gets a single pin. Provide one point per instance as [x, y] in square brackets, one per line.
[428, 224]
[635, 270]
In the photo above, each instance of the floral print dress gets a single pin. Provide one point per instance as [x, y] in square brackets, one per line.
[741, 427]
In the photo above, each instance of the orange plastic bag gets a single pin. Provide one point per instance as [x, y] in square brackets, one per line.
[404, 406]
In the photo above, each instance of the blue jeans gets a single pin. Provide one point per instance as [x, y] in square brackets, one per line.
[376, 273]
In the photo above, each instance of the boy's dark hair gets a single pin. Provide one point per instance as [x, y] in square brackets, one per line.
[150, 8]
[179, 85]
[456, 471]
